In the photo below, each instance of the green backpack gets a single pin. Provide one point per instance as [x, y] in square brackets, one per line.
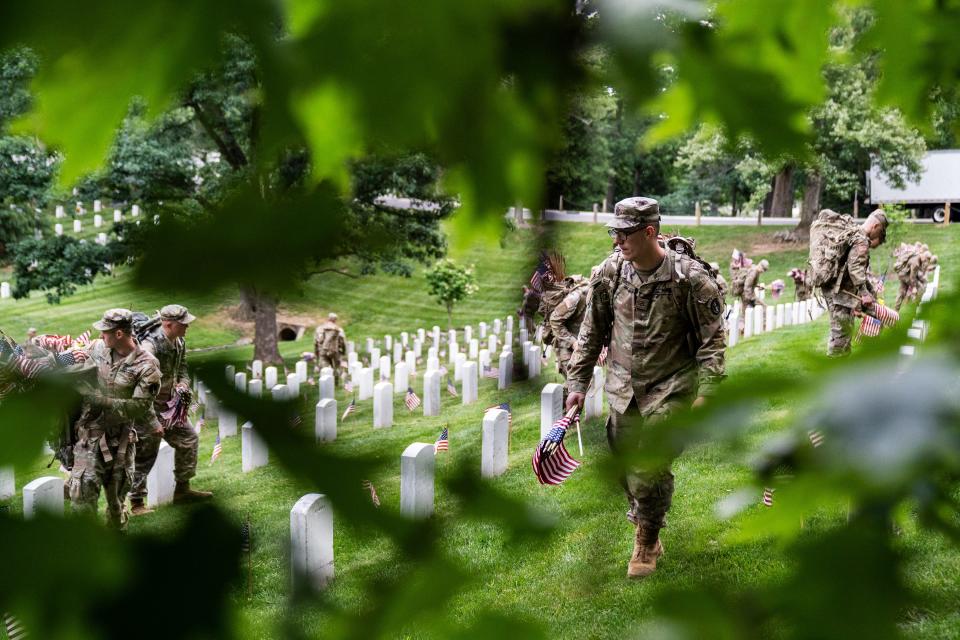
[830, 238]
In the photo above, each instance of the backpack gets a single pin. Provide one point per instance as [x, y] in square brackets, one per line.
[904, 254]
[144, 325]
[830, 238]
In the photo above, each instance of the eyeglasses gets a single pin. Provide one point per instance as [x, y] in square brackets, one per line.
[622, 234]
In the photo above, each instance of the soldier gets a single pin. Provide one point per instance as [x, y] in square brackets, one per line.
[330, 346]
[112, 414]
[845, 286]
[528, 307]
[565, 320]
[661, 313]
[166, 342]
[750, 283]
[721, 281]
[800, 284]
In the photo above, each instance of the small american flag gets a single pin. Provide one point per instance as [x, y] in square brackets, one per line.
[451, 388]
[443, 442]
[602, 359]
[15, 630]
[491, 372]
[217, 450]
[348, 386]
[411, 400]
[506, 407]
[816, 437]
[374, 498]
[537, 279]
[70, 358]
[552, 464]
[881, 316]
[768, 496]
[52, 342]
[352, 407]
[31, 367]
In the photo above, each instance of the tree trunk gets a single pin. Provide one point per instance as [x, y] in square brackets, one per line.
[246, 311]
[782, 202]
[449, 316]
[265, 328]
[767, 206]
[812, 190]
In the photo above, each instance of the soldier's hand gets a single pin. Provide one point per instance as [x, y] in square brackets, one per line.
[159, 431]
[867, 300]
[699, 402]
[575, 399]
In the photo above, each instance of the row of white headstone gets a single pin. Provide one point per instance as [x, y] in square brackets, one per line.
[760, 319]
[917, 332]
[61, 212]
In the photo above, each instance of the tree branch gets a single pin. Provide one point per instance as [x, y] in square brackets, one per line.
[229, 148]
[331, 270]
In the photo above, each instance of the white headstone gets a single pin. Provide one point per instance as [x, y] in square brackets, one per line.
[484, 358]
[369, 345]
[496, 327]
[483, 331]
[302, 370]
[327, 371]
[431, 393]
[492, 343]
[8, 484]
[280, 392]
[98, 221]
[525, 347]
[404, 338]
[366, 383]
[311, 542]
[435, 334]
[256, 369]
[102, 239]
[382, 405]
[326, 386]
[416, 480]
[433, 363]
[410, 358]
[160, 480]
[387, 343]
[226, 423]
[470, 382]
[4, 290]
[433, 352]
[474, 350]
[352, 358]
[551, 406]
[508, 340]
[240, 382]
[451, 336]
[59, 211]
[506, 370]
[593, 404]
[780, 314]
[253, 450]
[384, 371]
[524, 336]
[135, 210]
[293, 386]
[757, 320]
[494, 455]
[397, 352]
[325, 426]
[908, 350]
[58, 229]
[401, 378]
[228, 372]
[733, 329]
[467, 334]
[270, 377]
[255, 388]
[914, 334]
[77, 226]
[374, 356]
[117, 215]
[769, 326]
[418, 347]
[509, 323]
[453, 350]
[748, 322]
[97, 206]
[43, 494]
[458, 366]
[533, 364]
[211, 408]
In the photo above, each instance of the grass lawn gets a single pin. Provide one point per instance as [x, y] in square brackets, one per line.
[573, 584]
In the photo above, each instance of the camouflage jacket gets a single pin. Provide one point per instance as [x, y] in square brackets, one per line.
[329, 339]
[172, 355]
[529, 304]
[566, 318]
[666, 334]
[853, 282]
[750, 284]
[125, 391]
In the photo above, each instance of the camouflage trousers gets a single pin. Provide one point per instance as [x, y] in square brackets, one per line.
[185, 443]
[331, 360]
[908, 292]
[92, 470]
[841, 327]
[649, 490]
[563, 359]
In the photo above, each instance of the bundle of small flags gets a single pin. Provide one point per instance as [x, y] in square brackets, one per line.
[374, 498]
[870, 325]
[351, 408]
[411, 400]
[451, 388]
[217, 450]
[552, 464]
[177, 409]
[443, 442]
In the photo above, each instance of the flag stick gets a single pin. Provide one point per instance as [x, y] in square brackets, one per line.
[579, 439]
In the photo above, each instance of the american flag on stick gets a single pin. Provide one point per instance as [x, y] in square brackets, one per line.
[348, 386]
[816, 437]
[374, 498]
[768, 496]
[217, 450]
[552, 464]
[443, 442]
[351, 408]
[451, 388]
[506, 407]
[412, 400]
[881, 316]
[602, 358]
[491, 372]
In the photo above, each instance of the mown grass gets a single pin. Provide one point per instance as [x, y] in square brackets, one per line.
[571, 585]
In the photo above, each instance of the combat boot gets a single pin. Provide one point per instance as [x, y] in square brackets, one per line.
[137, 508]
[647, 548]
[183, 493]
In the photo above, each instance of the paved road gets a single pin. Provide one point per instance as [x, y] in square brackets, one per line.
[587, 216]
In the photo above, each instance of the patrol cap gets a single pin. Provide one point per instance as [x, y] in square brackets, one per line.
[632, 212]
[879, 217]
[764, 264]
[332, 316]
[115, 319]
[177, 313]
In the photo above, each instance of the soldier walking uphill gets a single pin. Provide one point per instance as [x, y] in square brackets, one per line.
[661, 313]
[330, 346]
[112, 414]
[565, 320]
[751, 279]
[166, 342]
[839, 263]
[528, 307]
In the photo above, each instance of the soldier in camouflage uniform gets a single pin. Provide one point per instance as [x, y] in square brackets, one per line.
[749, 295]
[852, 290]
[166, 342]
[112, 414]
[528, 308]
[800, 284]
[330, 346]
[565, 320]
[662, 316]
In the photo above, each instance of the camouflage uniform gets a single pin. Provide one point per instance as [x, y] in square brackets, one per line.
[666, 337]
[172, 355]
[843, 294]
[330, 347]
[111, 417]
[911, 271]
[528, 308]
[565, 321]
[749, 296]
